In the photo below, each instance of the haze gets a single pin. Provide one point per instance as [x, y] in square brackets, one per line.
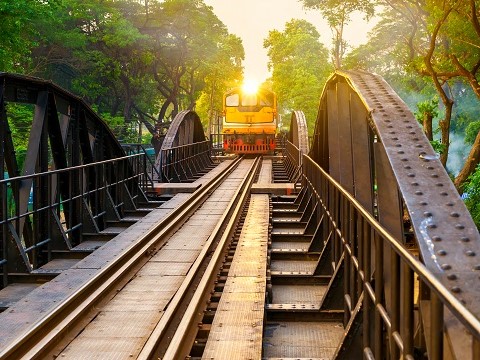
[251, 20]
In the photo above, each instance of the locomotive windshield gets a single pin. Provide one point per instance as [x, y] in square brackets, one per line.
[250, 100]
[232, 100]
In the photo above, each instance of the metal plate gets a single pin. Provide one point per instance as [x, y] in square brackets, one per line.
[168, 284]
[103, 349]
[164, 268]
[290, 246]
[176, 256]
[14, 292]
[298, 294]
[139, 301]
[113, 335]
[298, 266]
[237, 328]
[265, 175]
[302, 339]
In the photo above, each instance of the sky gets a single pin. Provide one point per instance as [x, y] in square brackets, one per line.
[251, 20]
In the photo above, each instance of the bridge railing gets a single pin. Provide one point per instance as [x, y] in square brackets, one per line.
[364, 254]
[293, 161]
[184, 163]
[63, 206]
[148, 168]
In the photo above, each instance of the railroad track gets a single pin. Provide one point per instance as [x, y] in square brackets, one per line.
[100, 302]
[225, 275]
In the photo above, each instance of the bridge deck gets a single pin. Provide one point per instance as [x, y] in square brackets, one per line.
[27, 303]
[123, 326]
[237, 328]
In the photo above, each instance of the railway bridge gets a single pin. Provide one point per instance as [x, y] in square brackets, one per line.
[355, 245]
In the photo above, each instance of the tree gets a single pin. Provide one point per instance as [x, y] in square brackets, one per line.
[300, 67]
[338, 13]
[434, 41]
[20, 32]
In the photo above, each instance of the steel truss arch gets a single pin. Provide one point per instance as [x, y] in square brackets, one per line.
[369, 142]
[185, 152]
[59, 194]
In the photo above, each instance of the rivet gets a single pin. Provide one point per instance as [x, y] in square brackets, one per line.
[441, 252]
[424, 203]
[459, 227]
[450, 204]
[411, 175]
[401, 152]
[446, 266]
[398, 145]
[414, 184]
[465, 239]
[451, 276]
[418, 193]
[476, 267]
[432, 226]
[404, 159]
[434, 176]
[408, 167]
[455, 214]
[456, 289]
[395, 138]
[427, 214]
[470, 253]
[430, 168]
[437, 238]
[439, 184]
[419, 146]
[444, 193]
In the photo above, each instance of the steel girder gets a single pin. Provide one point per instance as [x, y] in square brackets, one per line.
[45, 207]
[298, 133]
[370, 143]
[185, 151]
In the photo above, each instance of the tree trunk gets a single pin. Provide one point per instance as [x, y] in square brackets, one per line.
[427, 125]
[471, 163]
[445, 129]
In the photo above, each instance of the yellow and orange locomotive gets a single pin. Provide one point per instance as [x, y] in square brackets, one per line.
[249, 122]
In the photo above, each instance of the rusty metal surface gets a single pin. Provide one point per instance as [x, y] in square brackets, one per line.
[298, 133]
[302, 340]
[294, 266]
[265, 175]
[448, 239]
[298, 294]
[113, 335]
[237, 328]
[14, 292]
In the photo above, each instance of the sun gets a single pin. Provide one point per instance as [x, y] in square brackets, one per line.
[250, 86]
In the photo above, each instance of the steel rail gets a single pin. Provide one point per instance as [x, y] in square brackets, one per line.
[42, 336]
[182, 340]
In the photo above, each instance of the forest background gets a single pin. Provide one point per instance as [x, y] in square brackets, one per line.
[139, 62]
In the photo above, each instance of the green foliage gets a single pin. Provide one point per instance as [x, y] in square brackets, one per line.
[427, 107]
[472, 191]
[300, 67]
[471, 132]
[134, 60]
[20, 118]
[438, 147]
[337, 13]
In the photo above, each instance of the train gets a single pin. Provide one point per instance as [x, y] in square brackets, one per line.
[249, 121]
